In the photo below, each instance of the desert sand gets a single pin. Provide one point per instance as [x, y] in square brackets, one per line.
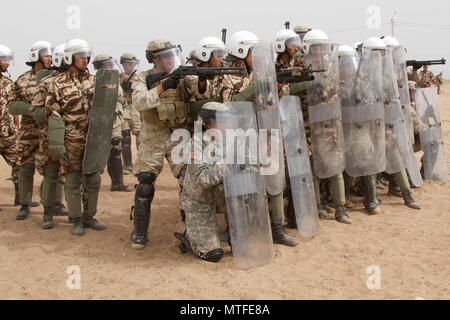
[410, 247]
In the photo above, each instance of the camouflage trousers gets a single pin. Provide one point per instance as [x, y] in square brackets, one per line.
[155, 146]
[201, 223]
[8, 149]
[117, 126]
[27, 144]
[42, 157]
[132, 120]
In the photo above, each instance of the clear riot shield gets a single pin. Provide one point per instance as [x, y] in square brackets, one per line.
[363, 114]
[299, 167]
[245, 192]
[399, 151]
[266, 104]
[401, 73]
[324, 110]
[430, 132]
[101, 118]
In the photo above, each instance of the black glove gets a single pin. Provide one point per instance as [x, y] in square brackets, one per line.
[126, 85]
[171, 83]
[151, 79]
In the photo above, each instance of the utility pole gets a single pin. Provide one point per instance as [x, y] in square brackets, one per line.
[393, 22]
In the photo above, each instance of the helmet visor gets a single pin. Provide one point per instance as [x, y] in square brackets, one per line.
[169, 60]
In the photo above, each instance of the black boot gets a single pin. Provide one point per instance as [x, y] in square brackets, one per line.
[409, 200]
[77, 226]
[115, 169]
[145, 192]
[24, 212]
[16, 195]
[91, 222]
[342, 216]
[211, 256]
[47, 219]
[126, 150]
[280, 236]
[371, 202]
[394, 189]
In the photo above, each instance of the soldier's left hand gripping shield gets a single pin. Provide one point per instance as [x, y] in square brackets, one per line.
[266, 104]
[401, 73]
[299, 167]
[44, 73]
[247, 208]
[399, 151]
[101, 118]
[430, 131]
[324, 109]
[361, 90]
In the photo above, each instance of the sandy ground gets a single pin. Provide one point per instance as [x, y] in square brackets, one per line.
[410, 247]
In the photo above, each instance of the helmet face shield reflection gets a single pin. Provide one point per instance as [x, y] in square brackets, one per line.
[129, 66]
[168, 60]
[83, 54]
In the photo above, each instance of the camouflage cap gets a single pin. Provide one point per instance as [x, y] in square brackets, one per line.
[128, 56]
[102, 57]
[160, 44]
[302, 28]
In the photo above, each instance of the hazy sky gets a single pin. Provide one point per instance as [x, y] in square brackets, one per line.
[117, 26]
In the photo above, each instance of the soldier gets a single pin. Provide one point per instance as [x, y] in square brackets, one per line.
[395, 131]
[203, 195]
[426, 78]
[115, 167]
[8, 127]
[67, 106]
[47, 166]
[287, 45]
[163, 109]
[25, 88]
[132, 118]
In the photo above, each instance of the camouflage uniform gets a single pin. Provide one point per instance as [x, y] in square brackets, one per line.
[46, 165]
[8, 129]
[426, 79]
[70, 98]
[161, 116]
[131, 117]
[119, 119]
[202, 197]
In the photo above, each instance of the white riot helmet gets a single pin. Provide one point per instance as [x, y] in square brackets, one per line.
[209, 46]
[58, 55]
[315, 37]
[39, 48]
[391, 42]
[345, 50]
[240, 43]
[78, 48]
[6, 54]
[283, 37]
[374, 43]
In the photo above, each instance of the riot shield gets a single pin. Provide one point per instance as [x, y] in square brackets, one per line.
[299, 167]
[43, 74]
[399, 151]
[361, 90]
[101, 118]
[324, 111]
[266, 104]
[430, 132]
[245, 193]
[401, 73]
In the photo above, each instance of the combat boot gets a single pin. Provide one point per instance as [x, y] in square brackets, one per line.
[24, 212]
[47, 219]
[115, 169]
[409, 200]
[323, 214]
[126, 151]
[91, 222]
[394, 189]
[77, 226]
[214, 255]
[280, 236]
[371, 202]
[342, 216]
[59, 210]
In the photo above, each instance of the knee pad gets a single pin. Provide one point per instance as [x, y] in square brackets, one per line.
[126, 135]
[116, 148]
[146, 186]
